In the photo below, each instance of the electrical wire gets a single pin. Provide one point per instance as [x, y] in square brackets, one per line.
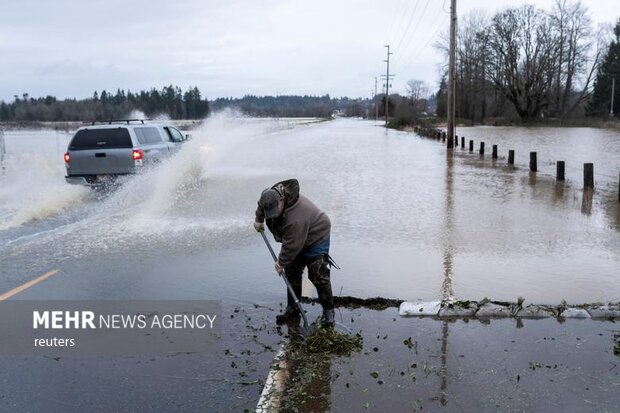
[403, 16]
[408, 24]
[394, 28]
[415, 30]
[416, 52]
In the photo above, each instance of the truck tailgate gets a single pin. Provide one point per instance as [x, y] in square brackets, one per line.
[101, 162]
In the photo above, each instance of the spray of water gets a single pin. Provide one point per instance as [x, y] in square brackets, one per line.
[33, 188]
[205, 191]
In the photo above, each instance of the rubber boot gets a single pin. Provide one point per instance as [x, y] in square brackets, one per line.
[290, 313]
[327, 302]
[291, 310]
[328, 318]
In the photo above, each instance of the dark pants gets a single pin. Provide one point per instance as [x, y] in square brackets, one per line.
[318, 273]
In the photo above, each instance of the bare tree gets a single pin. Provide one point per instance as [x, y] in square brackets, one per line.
[576, 63]
[418, 93]
[524, 54]
[472, 56]
[539, 63]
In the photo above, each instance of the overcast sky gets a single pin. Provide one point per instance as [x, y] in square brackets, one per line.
[70, 48]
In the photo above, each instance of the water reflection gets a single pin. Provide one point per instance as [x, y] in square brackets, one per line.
[448, 232]
[558, 193]
[307, 383]
[443, 371]
[586, 201]
[446, 287]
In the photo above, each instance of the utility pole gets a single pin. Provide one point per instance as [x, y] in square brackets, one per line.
[613, 87]
[452, 75]
[388, 77]
[375, 101]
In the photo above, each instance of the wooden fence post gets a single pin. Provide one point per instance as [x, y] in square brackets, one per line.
[560, 170]
[481, 148]
[494, 151]
[511, 157]
[471, 145]
[588, 175]
[533, 162]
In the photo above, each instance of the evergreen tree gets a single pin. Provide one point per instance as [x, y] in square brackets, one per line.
[442, 98]
[599, 105]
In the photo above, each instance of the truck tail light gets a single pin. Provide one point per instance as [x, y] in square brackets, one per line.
[137, 154]
[67, 158]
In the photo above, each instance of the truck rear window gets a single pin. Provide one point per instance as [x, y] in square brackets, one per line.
[101, 138]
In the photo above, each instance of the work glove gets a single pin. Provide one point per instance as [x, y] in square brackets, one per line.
[259, 226]
[279, 268]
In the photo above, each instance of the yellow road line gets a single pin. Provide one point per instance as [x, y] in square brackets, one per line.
[29, 284]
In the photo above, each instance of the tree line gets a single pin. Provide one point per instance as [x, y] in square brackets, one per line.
[532, 64]
[104, 105]
[172, 102]
[294, 106]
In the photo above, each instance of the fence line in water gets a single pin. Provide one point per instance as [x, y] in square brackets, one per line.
[588, 168]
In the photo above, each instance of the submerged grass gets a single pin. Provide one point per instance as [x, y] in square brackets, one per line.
[309, 383]
[324, 341]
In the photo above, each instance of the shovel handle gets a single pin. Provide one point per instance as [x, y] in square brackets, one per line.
[288, 285]
[273, 254]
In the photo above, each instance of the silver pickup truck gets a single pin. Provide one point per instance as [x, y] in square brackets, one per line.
[99, 153]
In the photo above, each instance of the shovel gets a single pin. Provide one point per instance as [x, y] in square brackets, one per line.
[305, 330]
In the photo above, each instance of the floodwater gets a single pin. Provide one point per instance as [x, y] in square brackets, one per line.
[409, 220]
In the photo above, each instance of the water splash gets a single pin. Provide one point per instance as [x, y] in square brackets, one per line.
[199, 194]
[33, 188]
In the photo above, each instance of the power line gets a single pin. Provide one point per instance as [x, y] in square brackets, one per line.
[403, 17]
[397, 14]
[415, 29]
[417, 51]
[428, 38]
[409, 24]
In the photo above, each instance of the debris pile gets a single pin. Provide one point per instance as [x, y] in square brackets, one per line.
[323, 341]
[308, 361]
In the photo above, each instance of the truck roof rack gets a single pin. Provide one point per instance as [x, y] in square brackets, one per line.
[111, 121]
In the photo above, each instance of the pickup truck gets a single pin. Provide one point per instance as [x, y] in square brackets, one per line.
[99, 153]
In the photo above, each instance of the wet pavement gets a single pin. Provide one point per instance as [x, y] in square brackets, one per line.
[411, 364]
[408, 223]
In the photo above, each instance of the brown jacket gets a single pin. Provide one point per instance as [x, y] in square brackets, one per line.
[301, 224]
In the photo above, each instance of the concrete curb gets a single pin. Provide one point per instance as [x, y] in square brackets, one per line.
[274, 385]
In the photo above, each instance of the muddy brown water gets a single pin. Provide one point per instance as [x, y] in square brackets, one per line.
[409, 223]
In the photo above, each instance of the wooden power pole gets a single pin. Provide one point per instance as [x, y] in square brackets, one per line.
[613, 89]
[387, 84]
[452, 75]
[375, 101]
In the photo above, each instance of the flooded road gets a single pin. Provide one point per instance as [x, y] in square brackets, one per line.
[409, 221]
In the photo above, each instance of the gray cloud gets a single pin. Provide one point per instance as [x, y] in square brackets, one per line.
[70, 48]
